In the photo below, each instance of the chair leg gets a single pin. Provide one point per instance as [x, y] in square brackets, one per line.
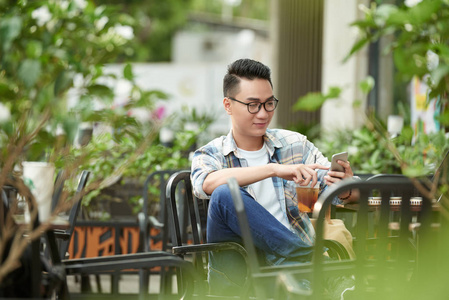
[98, 281]
[85, 284]
[143, 281]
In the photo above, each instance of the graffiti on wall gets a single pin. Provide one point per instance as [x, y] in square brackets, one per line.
[94, 241]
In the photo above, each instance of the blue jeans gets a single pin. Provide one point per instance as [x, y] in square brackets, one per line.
[275, 243]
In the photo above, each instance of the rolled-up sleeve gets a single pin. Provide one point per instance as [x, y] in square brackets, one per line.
[204, 162]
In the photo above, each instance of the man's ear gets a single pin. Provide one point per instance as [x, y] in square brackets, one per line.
[227, 105]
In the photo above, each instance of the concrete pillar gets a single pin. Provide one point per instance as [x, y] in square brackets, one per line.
[338, 38]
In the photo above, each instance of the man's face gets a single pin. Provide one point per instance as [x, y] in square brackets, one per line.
[249, 128]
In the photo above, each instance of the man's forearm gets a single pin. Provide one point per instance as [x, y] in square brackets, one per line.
[244, 176]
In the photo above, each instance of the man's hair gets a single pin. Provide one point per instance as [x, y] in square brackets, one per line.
[244, 68]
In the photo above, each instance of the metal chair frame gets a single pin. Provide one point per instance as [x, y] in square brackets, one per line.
[383, 272]
[196, 208]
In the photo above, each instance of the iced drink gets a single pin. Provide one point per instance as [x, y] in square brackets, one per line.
[307, 196]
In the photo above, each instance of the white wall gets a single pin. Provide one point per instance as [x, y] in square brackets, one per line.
[219, 46]
[338, 39]
[194, 85]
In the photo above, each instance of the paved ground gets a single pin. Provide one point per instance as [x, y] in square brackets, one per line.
[128, 284]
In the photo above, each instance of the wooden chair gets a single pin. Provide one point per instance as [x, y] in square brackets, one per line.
[385, 265]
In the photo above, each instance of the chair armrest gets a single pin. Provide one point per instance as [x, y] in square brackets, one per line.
[214, 247]
[134, 261]
[117, 258]
[61, 234]
[182, 250]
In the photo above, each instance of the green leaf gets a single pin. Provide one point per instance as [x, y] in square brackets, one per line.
[45, 98]
[9, 30]
[407, 133]
[398, 18]
[128, 72]
[411, 61]
[424, 12]
[357, 103]
[334, 92]
[29, 72]
[102, 91]
[34, 49]
[439, 73]
[356, 47]
[6, 91]
[444, 118]
[310, 102]
[367, 85]
[63, 81]
[383, 13]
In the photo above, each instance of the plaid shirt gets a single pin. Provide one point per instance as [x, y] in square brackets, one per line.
[284, 147]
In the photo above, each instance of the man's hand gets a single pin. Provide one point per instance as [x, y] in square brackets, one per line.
[335, 176]
[299, 173]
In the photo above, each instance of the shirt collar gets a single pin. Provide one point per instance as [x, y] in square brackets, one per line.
[271, 141]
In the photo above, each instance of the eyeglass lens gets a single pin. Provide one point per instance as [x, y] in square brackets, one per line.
[269, 106]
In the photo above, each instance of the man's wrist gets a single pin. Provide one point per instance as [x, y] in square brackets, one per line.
[347, 197]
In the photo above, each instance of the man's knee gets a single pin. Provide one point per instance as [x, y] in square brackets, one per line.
[221, 190]
[221, 194]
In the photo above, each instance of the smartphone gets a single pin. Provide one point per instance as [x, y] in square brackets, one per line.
[339, 156]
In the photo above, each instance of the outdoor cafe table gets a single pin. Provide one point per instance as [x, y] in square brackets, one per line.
[374, 204]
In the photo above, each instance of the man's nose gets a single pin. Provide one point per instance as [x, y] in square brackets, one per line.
[262, 112]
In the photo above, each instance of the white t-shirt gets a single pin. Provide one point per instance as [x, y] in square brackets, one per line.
[264, 189]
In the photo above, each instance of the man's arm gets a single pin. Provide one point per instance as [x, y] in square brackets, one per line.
[248, 175]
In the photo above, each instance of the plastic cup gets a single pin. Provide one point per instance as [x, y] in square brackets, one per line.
[39, 176]
[307, 196]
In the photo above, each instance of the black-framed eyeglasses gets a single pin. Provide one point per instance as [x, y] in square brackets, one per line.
[254, 107]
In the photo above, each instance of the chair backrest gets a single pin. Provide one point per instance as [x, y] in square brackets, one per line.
[74, 211]
[59, 187]
[181, 203]
[155, 179]
[184, 210]
[5, 205]
[389, 256]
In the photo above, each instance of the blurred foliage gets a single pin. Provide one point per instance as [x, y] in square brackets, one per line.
[51, 51]
[417, 34]
[187, 125]
[372, 152]
[52, 55]
[52, 80]
[313, 101]
[253, 9]
[154, 23]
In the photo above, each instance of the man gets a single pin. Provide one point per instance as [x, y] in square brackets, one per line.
[267, 164]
